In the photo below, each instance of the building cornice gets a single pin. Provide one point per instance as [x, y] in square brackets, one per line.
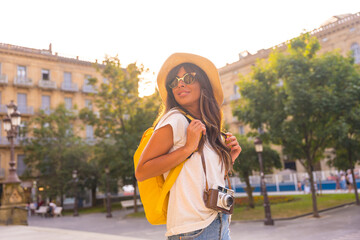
[320, 32]
[45, 54]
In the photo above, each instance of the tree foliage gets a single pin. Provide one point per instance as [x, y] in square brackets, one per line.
[54, 151]
[298, 97]
[123, 117]
[247, 163]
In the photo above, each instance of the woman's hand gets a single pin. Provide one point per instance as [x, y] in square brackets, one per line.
[232, 143]
[193, 132]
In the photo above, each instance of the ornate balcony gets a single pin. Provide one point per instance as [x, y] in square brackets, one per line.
[47, 84]
[69, 87]
[3, 108]
[17, 141]
[235, 97]
[89, 89]
[47, 110]
[4, 79]
[91, 141]
[26, 110]
[23, 82]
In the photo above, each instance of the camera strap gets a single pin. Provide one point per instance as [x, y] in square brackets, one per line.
[204, 167]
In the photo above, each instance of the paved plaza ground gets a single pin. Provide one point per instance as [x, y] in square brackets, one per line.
[338, 224]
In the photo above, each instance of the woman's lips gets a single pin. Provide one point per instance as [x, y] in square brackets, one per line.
[182, 93]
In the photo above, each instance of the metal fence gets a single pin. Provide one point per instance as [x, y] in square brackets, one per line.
[293, 181]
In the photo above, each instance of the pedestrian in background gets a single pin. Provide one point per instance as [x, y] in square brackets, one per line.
[349, 180]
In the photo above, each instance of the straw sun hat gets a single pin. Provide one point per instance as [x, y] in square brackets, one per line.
[206, 65]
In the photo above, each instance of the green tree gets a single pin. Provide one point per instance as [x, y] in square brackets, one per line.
[248, 162]
[123, 118]
[347, 144]
[54, 151]
[292, 97]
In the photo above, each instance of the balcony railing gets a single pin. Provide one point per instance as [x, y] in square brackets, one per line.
[47, 110]
[235, 97]
[47, 84]
[69, 87]
[89, 89]
[4, 79]
[26, 110]
[72, 111]
[3, 108]
[91, 141]
[23, 82]
[4, 140]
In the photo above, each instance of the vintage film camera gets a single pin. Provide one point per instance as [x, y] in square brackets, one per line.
[221, 199]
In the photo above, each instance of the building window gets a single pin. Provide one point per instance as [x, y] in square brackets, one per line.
[45, 103]
[68, 103]
[21, 72]
[45, 74]
[21, 166]
[88, 104]
[355, 48]
[67, 79]
[261, 130]
[89, 131]
[22, 102]
[21, 130]
[86, 81]
[236, 94]
[241, 130]
[70, 131]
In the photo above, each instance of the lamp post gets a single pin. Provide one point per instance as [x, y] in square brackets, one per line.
[259, 149]
[13, 207]
[75, 180]
[108, 203]
[11, 122]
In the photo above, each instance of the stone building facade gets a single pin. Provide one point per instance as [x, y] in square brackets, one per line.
[40, 79]
[339, 32]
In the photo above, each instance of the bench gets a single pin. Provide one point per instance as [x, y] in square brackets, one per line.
[130, 203]
[57, 211]
[42, 211]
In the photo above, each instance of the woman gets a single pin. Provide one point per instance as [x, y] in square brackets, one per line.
[190, 83]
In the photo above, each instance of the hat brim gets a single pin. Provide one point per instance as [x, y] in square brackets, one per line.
[206, 65]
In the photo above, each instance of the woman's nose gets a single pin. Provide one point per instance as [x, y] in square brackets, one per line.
[181, 83]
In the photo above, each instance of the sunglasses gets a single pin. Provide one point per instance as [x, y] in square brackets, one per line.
[188, 78]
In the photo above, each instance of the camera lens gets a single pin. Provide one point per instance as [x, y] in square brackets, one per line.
[229, 200]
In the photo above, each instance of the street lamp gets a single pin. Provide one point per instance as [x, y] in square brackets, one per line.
[259, 150]
[13, 207]
[11, 122]
[108, 203]
[75, 180]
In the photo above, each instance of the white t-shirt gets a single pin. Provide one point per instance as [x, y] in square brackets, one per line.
[186, 210]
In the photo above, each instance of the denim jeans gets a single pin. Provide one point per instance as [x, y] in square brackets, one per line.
[217, 230]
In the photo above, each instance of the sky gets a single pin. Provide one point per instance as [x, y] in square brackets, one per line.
[148, 31]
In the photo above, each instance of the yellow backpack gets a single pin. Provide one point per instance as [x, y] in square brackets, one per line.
[154, 192]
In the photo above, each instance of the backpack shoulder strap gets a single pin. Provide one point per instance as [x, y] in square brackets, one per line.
[172, 176]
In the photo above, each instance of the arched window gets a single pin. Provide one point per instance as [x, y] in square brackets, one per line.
[355, 48]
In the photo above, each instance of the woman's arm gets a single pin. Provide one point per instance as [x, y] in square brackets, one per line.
[156, 159]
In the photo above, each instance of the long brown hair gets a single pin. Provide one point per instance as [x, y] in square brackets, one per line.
[209, 108]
